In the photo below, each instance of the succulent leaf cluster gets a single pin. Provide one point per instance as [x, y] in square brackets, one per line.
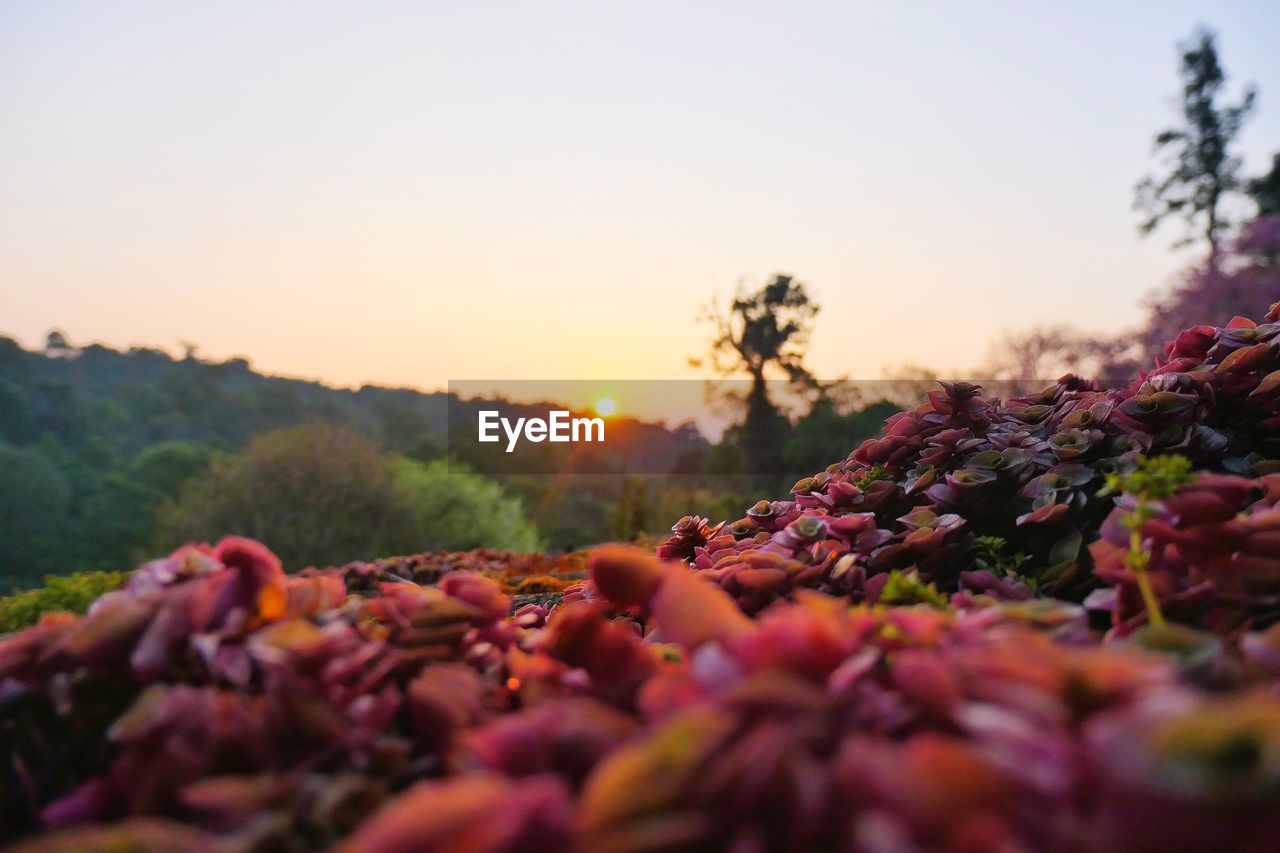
[1047, 476]
[215, 703]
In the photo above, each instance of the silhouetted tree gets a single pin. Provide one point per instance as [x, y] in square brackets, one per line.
[1202, 170]
[56, 345]
[762, 332]
[1240, 276]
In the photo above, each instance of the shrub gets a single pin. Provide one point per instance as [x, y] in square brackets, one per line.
[329, 496]
[454, 509]
[69, 593]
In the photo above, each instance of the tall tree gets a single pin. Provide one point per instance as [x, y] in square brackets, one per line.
[760, 333]
[1202, 171]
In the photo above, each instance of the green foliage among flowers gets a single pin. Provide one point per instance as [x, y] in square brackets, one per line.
[1153, 479]
[907, 588]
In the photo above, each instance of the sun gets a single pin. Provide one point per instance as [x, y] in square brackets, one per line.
[606, 407]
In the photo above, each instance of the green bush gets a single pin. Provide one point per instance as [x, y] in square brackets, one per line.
[72, 593]
[455, 509]
[324, 496]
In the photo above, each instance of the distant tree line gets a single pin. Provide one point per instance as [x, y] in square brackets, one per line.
[110, 457]
[100, 449]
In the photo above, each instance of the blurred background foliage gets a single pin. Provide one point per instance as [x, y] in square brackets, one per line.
[111, 457]
[60, 593]
[327, 495]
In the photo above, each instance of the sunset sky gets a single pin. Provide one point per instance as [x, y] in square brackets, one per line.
[409, 193]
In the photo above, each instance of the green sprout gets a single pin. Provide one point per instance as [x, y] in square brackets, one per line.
[907, 588]
[871, 475]
[1154, 478]
[991, 553]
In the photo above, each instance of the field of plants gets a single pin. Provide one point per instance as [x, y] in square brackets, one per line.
[1042, 623]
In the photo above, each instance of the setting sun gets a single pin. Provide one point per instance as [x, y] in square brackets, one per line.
[606, 407]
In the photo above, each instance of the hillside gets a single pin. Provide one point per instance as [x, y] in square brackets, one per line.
[100, 403]
[94, 440]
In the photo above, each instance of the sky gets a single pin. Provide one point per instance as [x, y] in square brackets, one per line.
[413, 193]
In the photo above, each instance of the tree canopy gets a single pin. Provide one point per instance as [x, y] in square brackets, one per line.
[759, 333]
[1202, 169]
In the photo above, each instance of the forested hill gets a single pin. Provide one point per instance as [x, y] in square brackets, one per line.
[94, 442]
[102, 403]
